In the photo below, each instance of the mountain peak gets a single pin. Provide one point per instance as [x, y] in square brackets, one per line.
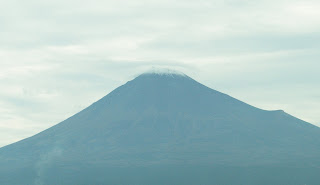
[163, 72]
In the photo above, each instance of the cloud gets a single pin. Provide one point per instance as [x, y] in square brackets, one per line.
[57, 57]
[44, 163]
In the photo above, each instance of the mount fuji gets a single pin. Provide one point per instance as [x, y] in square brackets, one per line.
[166, 128]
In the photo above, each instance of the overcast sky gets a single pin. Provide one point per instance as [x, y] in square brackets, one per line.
[59, 56]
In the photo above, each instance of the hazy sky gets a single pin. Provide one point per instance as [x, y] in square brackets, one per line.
[59, 56]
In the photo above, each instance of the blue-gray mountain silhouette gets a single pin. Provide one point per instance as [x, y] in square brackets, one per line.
[167, 129]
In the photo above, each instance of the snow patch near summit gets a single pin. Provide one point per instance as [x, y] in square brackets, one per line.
[164, 72]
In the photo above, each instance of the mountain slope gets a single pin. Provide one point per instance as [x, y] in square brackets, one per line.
[167, 125]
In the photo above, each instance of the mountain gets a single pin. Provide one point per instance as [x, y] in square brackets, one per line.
[166, 128]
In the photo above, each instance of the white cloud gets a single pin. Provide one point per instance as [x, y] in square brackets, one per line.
[54, 53]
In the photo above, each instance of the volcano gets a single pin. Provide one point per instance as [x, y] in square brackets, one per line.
[166, 128]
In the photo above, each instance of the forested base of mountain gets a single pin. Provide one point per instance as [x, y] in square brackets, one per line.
[163, 175]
